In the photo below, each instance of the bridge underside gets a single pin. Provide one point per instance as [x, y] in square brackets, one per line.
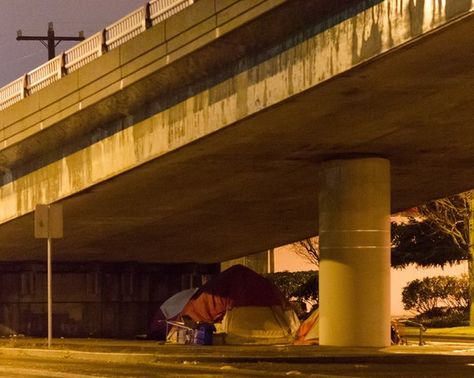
[254, 184]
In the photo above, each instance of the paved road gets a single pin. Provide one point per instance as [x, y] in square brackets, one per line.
[86, 358]
[71, 368]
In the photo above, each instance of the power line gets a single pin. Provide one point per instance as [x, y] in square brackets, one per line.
[50, 41]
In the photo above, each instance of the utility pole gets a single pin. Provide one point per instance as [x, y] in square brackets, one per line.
[49, 41]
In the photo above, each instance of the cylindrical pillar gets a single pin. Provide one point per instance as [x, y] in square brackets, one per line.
[354, 230]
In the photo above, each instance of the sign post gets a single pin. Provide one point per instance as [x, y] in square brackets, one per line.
[49, 225]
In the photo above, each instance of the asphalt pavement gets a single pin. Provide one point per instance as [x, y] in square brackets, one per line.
[75, 358]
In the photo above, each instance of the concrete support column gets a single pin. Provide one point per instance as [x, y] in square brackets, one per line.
[354, 229]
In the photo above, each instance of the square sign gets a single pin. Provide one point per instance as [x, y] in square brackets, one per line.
[49, 221]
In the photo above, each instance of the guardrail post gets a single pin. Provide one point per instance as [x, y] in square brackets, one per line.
[62, 67]
[104, 41]
[145, 18]
[24, 90]
[148, 23]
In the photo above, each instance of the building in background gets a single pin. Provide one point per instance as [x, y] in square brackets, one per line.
[91, 299]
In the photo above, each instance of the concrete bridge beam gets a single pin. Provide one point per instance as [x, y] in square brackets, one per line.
[354, 280]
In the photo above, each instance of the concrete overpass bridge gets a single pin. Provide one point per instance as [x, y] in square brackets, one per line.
[227, 128]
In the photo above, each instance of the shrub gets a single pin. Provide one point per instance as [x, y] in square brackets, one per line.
[301, 287]
[448, 320]
[437, 297]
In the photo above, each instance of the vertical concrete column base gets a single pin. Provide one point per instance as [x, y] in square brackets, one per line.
[354, 229]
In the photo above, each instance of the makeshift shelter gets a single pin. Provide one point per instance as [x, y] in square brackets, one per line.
[245, 307]
[308, 333]
[175, 304]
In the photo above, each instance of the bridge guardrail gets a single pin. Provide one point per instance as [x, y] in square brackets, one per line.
[13, 92]
[162, 9]
[84, 52]
[126, 28]
[154, 12]
[44, 75]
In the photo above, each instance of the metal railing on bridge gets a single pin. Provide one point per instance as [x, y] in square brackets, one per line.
[154, 12]
[44, 75]
[126, 28]
[84, 52]
[162, 9]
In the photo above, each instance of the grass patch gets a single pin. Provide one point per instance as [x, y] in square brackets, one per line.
[451, 331]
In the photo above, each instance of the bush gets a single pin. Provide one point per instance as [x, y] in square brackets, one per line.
[444, 317]
[440, 301]
[448, 320]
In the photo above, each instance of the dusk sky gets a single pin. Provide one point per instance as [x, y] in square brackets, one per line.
[32, 17]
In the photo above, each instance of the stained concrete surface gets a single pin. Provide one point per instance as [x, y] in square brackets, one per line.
[240, 172]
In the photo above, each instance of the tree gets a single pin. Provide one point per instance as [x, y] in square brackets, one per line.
[439, 301]
[454, 217]
[308, 291]
[301, 287]
[450, 216]
[308, 249]
[420, 243]
[440, 292]
[444, 236]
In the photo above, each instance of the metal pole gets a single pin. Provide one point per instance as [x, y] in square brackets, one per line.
[50, 297]
[51, 42]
